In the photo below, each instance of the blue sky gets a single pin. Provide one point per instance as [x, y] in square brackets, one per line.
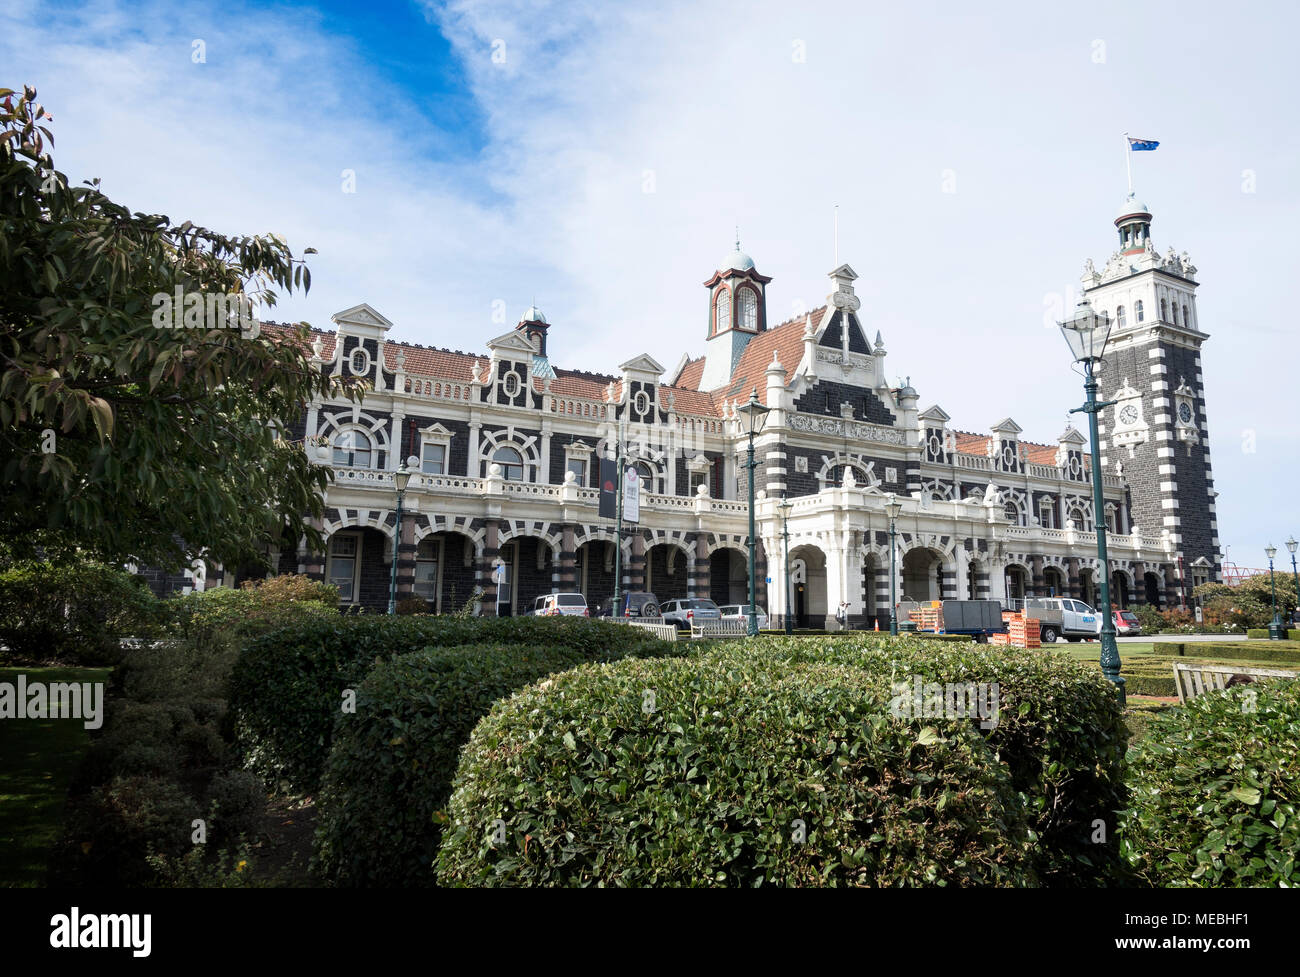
[597, 156]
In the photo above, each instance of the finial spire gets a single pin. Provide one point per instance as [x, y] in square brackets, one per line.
[737, 237]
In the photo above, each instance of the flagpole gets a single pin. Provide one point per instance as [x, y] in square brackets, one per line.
[1128, 162]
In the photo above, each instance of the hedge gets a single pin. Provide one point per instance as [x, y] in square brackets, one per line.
[391, 764]
[729, 769]
[1270, 651]
[287, 687]
[74, 613]
[1060, 731]
[1291, 635]
[1216, 795]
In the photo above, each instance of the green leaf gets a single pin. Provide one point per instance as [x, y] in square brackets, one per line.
[1247, 795]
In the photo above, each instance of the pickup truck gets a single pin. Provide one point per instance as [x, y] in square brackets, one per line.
[1063, 617]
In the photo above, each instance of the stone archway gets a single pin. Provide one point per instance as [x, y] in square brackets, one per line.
[1017, 577]
[808, 583]
[922, 575]
[1054, 582]
[666, 572]
[728, 576]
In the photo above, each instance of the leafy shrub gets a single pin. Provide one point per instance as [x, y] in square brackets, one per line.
[78, 612]
[124, 821]
[238, 803]
[727, 770]
[287, 687]
[1149, 617]
[1286, 652]
[412, 605]
[1059, 730]
[202, 744]
[1291, 635]
[391, 765]
[1216, 791]
[1250, 603]
[197, 869]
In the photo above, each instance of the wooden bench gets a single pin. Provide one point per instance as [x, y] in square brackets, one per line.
[666, 632]
[1193, 680]
[720, 629]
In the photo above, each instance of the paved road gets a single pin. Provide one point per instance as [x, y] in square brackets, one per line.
[1173, 637]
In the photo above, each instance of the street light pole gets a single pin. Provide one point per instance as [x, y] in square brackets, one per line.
[614, 610]
[784, 505]
[1291, 545]
[400, 479]
[892, 508]
[1275, 630]
[755, 413]
[1087, 334]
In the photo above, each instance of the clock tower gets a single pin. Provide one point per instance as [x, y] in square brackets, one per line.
[1156, 435]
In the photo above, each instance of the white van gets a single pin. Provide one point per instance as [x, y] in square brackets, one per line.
[561, 605]
[1063, 617]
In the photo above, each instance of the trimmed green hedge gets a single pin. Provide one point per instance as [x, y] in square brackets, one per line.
[1060, 731]
[728, 769]
[1216, 792]
[1292, 634]
[391, 766]
[287, 687]
[1265, 651]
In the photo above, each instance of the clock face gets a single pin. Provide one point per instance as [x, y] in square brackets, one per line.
[1129, 414]
[1184, 413]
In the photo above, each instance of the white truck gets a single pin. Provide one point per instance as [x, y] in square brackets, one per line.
[1063, 617]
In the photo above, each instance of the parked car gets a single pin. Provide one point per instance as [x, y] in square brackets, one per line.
[636, 603]
[561, 605]
[688, 611]
[1062, 617]
[1126, 622]
[740, 612]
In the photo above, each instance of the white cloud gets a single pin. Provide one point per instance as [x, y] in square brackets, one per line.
[735, 130]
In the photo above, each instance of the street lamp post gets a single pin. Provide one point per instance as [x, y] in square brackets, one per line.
[1291, 545]
[1087, 333]
[785, 505]
[401, 478]
[1275, 629]
[614, 611]
[892, 508]
[755, 416]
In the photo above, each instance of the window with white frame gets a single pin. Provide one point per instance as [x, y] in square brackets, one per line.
[579, 468]
[722, 316]
[360, 361]
[511, 462]
[344, 562]
[428, 557]
[352, 449]
[647, 475]
[748, 312]
[1047, 514]
[697, 478]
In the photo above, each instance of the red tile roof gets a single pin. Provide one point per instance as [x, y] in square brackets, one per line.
[785, 340]
[977, 444]
[690, 375]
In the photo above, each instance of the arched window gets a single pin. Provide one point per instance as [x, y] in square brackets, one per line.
[352, 449]
[1164, 310]
[1119, 317]
[1012, 512]
[1079, 518]
[722, 315]
[647, 475]
[1137, 309]
[511, 462]
[748, 310]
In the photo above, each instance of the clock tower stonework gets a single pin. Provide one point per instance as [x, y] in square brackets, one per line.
[1156, 436]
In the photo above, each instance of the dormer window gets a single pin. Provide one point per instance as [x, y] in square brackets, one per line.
[722, 313]
[748, 310]
[360, 361]
[1137, 310]
[1120, 317]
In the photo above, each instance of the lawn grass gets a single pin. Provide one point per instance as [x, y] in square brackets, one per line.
[38, 758]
